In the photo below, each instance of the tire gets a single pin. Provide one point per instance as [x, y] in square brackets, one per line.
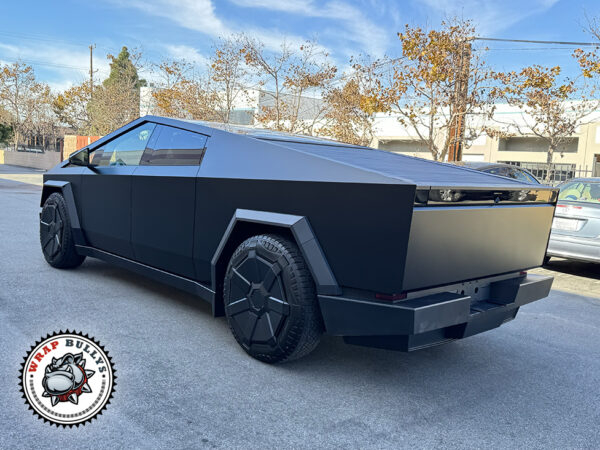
[546, 260]
[56, 236]
[270, 300]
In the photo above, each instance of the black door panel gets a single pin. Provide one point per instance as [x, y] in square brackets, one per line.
[163, 200]
[106, 208]
[106, 191]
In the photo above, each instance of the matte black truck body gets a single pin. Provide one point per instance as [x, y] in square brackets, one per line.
[404, 252]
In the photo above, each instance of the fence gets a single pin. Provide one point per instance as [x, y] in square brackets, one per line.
[46, 155]
[560, 172]
[73, 143]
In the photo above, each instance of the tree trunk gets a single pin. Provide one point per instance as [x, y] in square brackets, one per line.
[16, 140]
[549, 165]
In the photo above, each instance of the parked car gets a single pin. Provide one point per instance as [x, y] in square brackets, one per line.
[576, 226]
[504, 170]
[291, 236]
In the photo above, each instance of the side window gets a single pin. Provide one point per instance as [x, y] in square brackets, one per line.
[175, 147]
[125, 150]
[530, 177]
[512, 173]
[497, 171]
[522, 176]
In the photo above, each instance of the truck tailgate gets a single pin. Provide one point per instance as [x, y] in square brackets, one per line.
[457, 242]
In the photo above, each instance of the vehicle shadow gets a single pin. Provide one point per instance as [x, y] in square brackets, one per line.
[578, 268]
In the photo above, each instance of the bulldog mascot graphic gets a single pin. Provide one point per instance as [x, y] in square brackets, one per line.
[66, 379]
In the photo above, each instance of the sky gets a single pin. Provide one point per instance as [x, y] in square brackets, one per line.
[53, 36]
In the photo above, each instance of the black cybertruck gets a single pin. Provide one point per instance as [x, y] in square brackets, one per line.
[291, 236]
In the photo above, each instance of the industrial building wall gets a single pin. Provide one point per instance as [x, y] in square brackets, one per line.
[30, 159]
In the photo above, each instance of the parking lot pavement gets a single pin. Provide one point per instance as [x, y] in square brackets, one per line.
[576, 277]
[184, 382]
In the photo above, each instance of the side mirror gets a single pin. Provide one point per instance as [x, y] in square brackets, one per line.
[81, 158]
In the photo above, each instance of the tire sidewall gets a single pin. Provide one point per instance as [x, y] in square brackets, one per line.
[66, 256]
[289, 336]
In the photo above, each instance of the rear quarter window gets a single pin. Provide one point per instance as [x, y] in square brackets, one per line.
[174, 147]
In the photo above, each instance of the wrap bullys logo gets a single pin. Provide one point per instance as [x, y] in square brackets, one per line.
[67, 378]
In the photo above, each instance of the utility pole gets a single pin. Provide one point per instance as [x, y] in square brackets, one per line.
[459, 108]
[92, 47]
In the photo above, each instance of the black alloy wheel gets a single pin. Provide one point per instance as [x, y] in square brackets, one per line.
[270, 300]
[56, 237]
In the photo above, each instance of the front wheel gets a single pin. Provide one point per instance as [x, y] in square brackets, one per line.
[270, 300]
[56, 236]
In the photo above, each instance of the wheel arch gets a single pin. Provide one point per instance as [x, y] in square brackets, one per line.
[246, 223]
[64, 188]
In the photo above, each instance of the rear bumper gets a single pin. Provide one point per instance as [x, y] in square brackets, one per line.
[573, 247]
[429, 320]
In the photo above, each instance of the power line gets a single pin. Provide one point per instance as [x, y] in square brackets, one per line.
[41, 38]
[535, 49]
[593, 44]
[61, 66]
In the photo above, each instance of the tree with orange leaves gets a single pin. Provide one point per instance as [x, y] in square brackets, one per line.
[352, 105]
[552, 107]
[437, 85]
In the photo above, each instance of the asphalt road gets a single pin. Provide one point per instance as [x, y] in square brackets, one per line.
[184, 382]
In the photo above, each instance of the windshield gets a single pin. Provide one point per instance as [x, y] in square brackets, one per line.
[580, 191]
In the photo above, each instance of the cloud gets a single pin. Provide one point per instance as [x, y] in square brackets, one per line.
[187, 53]
[355, 26]
[490, 16]
[200, 16]
[196, 15]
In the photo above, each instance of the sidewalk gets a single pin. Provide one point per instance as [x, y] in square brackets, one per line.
[21, 174]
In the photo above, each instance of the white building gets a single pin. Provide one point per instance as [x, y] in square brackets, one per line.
[578, 156]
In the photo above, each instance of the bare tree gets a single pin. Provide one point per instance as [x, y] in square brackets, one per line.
[229, 75]
[44, 124]
[23, 98]
[288, 78]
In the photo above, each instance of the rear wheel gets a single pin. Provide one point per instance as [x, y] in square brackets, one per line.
[56, 236]
[270, 300]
